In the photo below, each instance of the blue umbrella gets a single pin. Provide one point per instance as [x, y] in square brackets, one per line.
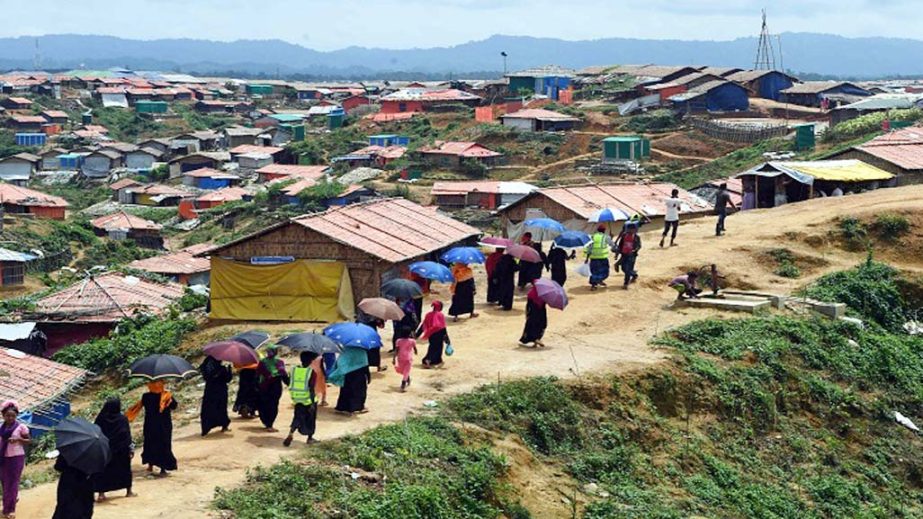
[572, 239]
[432, 270]
[354, 335]
[609, 214]
[465, 255]
[543, 229]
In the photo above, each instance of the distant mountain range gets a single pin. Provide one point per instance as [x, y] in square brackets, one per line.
[806, 52]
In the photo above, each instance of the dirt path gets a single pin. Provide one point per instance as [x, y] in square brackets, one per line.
[669, 155]
[545, 167]
[600, 331]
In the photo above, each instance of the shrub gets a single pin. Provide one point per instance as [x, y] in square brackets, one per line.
[891, 226]
[652, 121]
[869, 124]
[854, 233]
[871, 289]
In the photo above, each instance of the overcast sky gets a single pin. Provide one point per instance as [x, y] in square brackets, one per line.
[333, 24]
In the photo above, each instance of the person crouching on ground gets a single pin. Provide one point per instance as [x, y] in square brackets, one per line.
[301, 388]
[685, 286]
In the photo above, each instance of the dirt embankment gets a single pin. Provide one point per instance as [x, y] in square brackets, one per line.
[604, 331]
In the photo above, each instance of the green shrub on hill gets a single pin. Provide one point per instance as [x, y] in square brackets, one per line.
[656, 120]
[869, 124]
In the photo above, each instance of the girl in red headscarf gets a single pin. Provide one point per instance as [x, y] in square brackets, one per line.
[433, 328]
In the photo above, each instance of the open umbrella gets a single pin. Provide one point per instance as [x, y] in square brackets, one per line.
[551, 293]
[543, 229]
[253, 338]
[354, 335]
[308, 341]
[235, 352]
[495, 242]
[159, 367]
[525, 253]
[384, 309]
[82, 445]
[572, 239]
[432, 270]
[465, 255]
[401, 289]
[608, 214]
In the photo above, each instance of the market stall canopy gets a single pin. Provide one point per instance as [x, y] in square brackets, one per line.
[825, 170]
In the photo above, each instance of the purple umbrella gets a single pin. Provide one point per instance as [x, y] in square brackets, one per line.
[551, 293]
[232, 351]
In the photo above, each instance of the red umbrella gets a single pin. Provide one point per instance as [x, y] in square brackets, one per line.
[496, 242]
[525, 253]
[384, 309]
[551, 293]
[234, 352]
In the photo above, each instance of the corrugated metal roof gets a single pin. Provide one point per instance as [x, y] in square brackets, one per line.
[646, 199]
[540, 114]
[107, 298]
[250, 148]
[34, 382]
[293, 170]
[210, 173]
[884, 102]
[15, 257]
[125, 182]
[461, 149]
[464, 187]
[904, 156]
[11, 194]
[829, 170]
[227, 194]
[428, 95]
[544, 71]
[28, 119]
[122, 220]
[745, 76]
[179, 262]
[815, 87]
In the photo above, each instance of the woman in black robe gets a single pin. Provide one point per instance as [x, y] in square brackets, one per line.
[157, 451]
[504, 281]
[248, 394]
[353, 377]
[75, 493]
[215, 398]
[433, 328]
[271, 377]
[117, 474]
[374, 355]
[463, 291]
[536, 320]
[557, 264]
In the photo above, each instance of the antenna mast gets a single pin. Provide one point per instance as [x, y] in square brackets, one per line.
[765, 56]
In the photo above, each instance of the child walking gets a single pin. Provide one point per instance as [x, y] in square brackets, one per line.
[406, 349]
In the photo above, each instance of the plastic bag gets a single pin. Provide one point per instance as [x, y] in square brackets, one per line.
[449, 350]
[583, 270]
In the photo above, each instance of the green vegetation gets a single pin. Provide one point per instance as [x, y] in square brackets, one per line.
[9, 147]
[890, 226]
[79, 195]
[785, 263]
[869, 124]
[112, 253]
[421, 468]
[321, 148]
[198, 121]
[314, 198]
[656, 120]
[732, 163]
[857, 235]
[126, 125]
[133, 339]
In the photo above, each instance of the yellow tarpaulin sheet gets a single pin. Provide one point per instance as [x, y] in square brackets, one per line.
[303, 290]
[841, 171]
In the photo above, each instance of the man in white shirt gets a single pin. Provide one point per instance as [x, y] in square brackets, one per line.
[671, 219]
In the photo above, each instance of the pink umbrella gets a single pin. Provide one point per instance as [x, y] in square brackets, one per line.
[384, 309]
[235, 352]
[551, 293]
[525, 253]
[496, 242]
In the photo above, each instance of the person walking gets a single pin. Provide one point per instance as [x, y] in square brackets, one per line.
[117, 474]
[158, 404]
[536, 320]
[14, 436]
[214, 411]
[671, 219]
[504, 281]
[352, 375]
[722, 201]
[403, 361]
[597, 255]
[463, 291]
[490, 265]
[74, 494]
[433, 329]
[557, 264]
[627, 246]
[302, 390]
[529, 272]
[271, 375]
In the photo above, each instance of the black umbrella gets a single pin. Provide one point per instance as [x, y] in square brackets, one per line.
[313, 342]
[82, 445]
[401, 289]
[158, 367]
[253, 339]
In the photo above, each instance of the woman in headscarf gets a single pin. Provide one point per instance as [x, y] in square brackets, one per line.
[248, 394]
[433, 328]
[353, 377]
[490, 265]
[158, 404]
[536, 320]
[271, 376]
[318, 365]
[374, 355]
[14, 436]
[75, 493]
[117, 474]
[410, 320]
[529, 272]
[215, 398]
[557, 264]
[403, 361]
[463, 291]
[504, 281]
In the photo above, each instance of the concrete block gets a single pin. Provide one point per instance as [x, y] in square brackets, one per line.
[733, 305]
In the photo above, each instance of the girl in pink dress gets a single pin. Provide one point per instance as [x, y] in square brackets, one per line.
[406, 349]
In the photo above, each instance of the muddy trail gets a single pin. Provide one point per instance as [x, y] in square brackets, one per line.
[604, 331]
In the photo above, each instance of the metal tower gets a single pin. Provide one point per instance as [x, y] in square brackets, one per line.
[765, 55]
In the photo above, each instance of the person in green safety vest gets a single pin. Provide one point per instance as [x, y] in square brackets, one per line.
[301, 390]
[597, 254]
